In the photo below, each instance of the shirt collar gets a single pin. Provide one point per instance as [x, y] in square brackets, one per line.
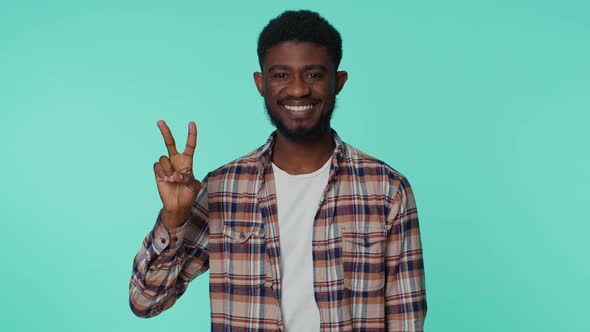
[264, 154]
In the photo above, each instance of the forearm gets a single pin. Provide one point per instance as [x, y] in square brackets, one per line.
[154, 284]
[405, 299]
[405, 294]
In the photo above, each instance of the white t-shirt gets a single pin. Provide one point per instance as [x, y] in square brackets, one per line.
[298, 198]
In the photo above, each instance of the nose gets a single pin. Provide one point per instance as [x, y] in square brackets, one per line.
[298, 87]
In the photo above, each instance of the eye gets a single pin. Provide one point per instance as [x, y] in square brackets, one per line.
[279, 75]
[314, 75]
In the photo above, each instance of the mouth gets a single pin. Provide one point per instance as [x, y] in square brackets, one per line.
[299, 108]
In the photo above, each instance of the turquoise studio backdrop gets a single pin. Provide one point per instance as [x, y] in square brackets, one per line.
[483, 105]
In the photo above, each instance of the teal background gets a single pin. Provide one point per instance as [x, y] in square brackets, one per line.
[483, 105]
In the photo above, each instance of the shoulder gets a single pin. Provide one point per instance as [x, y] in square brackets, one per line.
[243, 169]
[371, 175]
[359, 162]
[370, 179]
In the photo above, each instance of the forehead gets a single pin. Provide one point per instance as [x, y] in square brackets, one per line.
[295, 54]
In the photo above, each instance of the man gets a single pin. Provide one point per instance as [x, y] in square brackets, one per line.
[304, 234]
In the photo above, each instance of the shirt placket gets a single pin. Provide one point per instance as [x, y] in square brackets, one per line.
[266, 197]
[322, 226]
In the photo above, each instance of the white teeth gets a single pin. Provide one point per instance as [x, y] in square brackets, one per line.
[298, 108]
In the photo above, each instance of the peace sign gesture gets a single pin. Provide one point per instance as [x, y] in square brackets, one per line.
[176, 182]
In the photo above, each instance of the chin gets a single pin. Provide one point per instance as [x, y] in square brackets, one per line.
[299, 133]
[303, 134]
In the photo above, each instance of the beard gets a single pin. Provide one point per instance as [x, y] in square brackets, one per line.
[301, 134]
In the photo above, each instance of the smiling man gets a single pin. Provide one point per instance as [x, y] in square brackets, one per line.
[305, 233]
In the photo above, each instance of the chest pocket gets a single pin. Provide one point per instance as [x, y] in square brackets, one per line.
[363, 258]
[244, 251]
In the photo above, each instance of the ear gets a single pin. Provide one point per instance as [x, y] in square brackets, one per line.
[341, 77]
[259, 81]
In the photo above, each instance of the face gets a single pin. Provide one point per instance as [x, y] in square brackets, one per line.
[299, 84]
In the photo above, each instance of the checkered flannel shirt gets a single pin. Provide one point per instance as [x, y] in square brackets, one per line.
[367, 253]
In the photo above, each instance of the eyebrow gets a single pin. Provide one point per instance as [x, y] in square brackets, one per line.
[308, 67]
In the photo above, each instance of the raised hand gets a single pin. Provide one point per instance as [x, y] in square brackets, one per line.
[176, 182]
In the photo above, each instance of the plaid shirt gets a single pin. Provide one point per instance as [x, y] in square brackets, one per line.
[367, 255]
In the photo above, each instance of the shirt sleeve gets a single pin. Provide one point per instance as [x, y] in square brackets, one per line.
[169, 259]
[405, 296]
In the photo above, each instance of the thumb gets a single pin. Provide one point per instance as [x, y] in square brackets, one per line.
[188, 180]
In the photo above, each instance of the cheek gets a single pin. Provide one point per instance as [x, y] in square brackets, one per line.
[327, 93]
[327, 89]
[272, 90]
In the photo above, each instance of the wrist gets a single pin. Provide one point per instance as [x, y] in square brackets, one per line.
[174, 219]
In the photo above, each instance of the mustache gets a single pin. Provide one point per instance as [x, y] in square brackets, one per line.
[298, 100]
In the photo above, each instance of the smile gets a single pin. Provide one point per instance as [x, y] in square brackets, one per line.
[298, 108]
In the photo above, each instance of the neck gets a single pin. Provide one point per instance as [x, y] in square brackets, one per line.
[302, 157]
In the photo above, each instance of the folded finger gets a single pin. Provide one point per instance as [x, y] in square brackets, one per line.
[166, 165]
[159, 172]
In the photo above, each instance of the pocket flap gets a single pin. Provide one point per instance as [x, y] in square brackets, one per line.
[365, 237]
[240, 234]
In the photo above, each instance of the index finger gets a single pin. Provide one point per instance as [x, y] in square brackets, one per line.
[191, 140]
[168, 139]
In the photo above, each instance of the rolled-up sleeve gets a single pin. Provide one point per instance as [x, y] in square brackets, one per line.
[169, 259]
[405, 296]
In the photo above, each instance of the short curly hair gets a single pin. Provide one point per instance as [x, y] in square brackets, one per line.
[302, 26]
